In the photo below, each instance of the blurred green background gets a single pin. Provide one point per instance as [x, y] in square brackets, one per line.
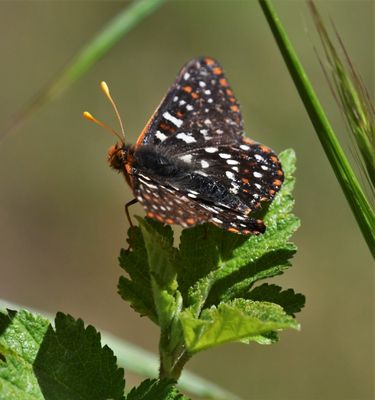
[62, 220]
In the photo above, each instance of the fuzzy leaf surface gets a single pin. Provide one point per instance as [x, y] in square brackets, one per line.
[237, 320]
[21, 335]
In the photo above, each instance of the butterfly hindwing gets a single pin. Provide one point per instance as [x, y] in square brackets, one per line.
[171, 206]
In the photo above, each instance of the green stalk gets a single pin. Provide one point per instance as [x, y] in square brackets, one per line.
[344, 173]
[121, 24]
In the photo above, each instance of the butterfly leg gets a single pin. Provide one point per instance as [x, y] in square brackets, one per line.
[127, 205]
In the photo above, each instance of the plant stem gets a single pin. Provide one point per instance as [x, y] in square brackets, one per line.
[344, 173]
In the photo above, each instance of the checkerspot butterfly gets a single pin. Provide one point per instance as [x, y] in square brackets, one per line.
[192, 163]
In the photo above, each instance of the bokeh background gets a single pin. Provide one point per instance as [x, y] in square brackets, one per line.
[62, 222]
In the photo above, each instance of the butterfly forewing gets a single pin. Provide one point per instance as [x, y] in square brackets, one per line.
[199, 108]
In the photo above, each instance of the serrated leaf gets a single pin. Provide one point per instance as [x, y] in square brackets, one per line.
[237, 320]
[137, 290]
[21, 336]
[156, 390]
[72, 364]
[290, 301]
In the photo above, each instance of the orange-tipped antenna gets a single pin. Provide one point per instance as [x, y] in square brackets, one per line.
[90, 117]
[105, 90]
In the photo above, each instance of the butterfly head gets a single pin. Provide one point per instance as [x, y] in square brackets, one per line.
[118, 156]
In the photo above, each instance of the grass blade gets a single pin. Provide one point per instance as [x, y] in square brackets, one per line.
[121, 24]
[352, 98]
[344, 173]
[143, 363]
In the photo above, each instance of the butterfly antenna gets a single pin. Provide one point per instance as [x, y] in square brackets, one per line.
[105, 90]
[90, 117]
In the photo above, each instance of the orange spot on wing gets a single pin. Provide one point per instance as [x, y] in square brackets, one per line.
[271, 192]
[159, 218]
[277, 182]
[179, 114]
[169, 221]
[234, 230]
[190, 221]
[194, 95]
[279, 172]
[232, 99]
[217, 71]
[265, 149]
[229, 92]
[245, 180]
[187, 89]
[234, 108]
[247, 140]
[223, 82]
[274, 159]
[151, 214]
[209, 61]
[246, 232]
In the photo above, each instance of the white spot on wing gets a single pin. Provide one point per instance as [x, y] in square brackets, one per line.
[235, 169]
[258, 186]
[189, 107]
[211, 149]
[217, 220]
[264, 167]
[257, 174]
[234, 188]
[230, 175]
[202, 84]
[259, 157]
[205, 164]
[232, 162]
[160, 135]
[244, 147]
[174, 120]
[186, 76]
[186, 158]
[224, 155]
[186, 138]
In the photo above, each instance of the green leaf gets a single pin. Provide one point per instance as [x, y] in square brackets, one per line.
[21, 336]
[237, 320]
[291, 302]
[244, 262]
[137, 290]
[156, 390]
[72, 364]
[160, 252]
[161, 257]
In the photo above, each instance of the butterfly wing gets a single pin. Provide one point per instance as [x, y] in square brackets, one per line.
[171, 206]
[200, 106]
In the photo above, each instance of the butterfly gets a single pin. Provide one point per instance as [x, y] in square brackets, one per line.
[192, 163]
